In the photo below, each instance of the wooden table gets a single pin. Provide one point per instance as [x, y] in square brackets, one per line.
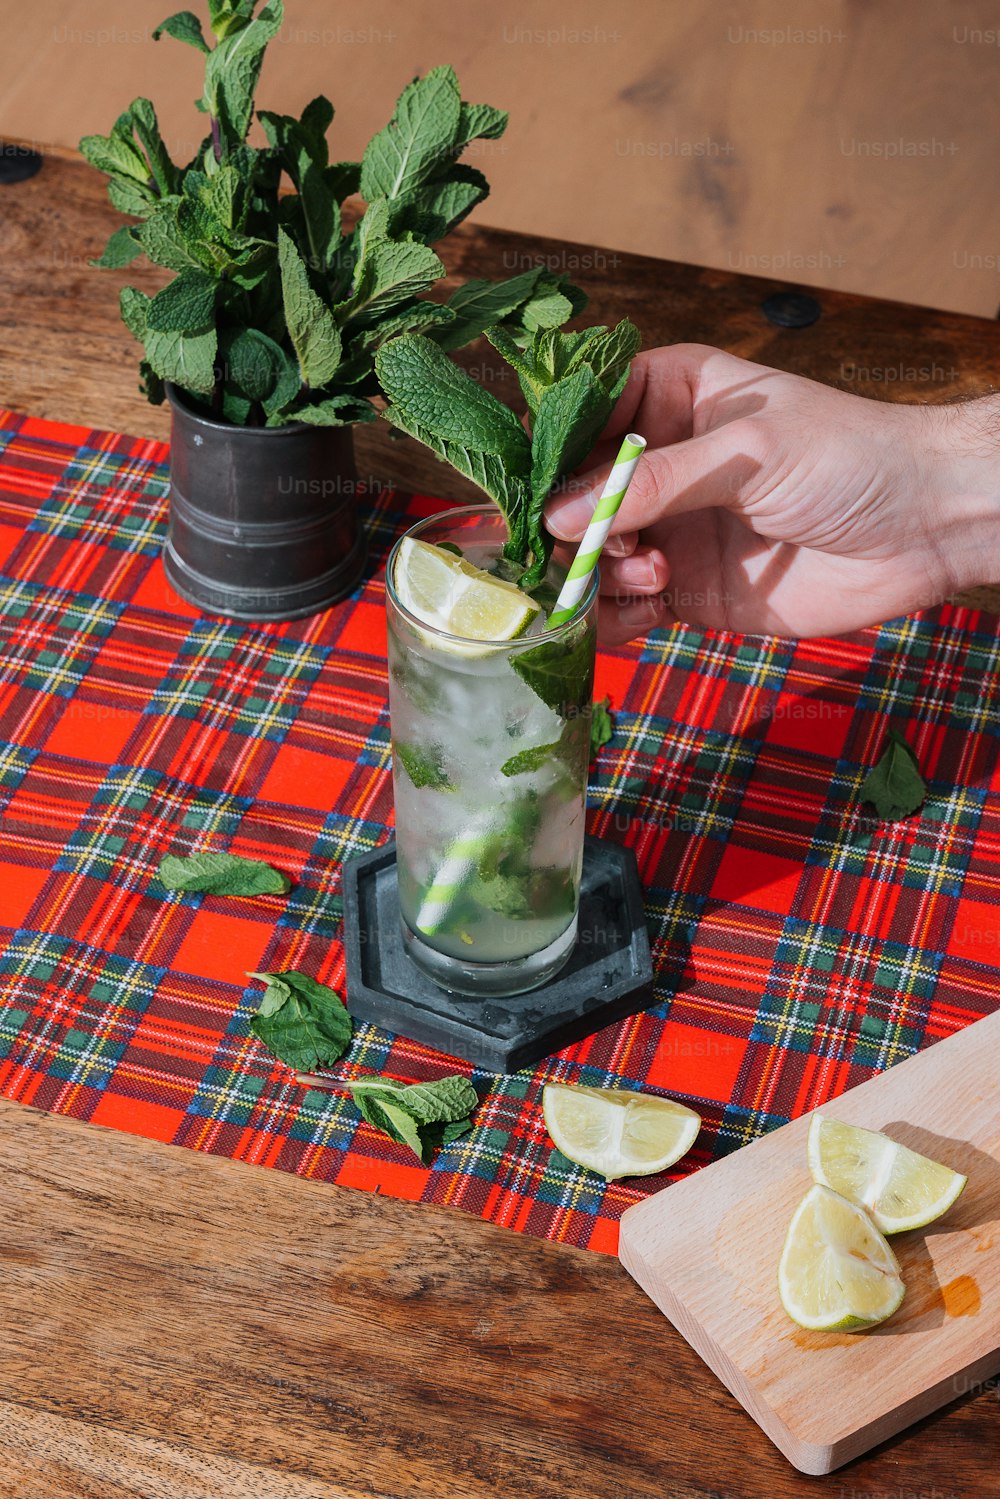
[181, 1326]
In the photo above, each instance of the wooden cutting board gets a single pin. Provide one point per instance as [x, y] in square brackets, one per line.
[707, 1248]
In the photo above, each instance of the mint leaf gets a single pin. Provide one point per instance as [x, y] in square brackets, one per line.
[311, 327]
[221, 874]
[437, 207]
[439, 1101]
[895, 786]
[479, 304]
[530, 759]
[233, 67]
[602, 726]
[336, 411]
[186, 359]
[303, 1022]
[422, 1116]
[422, 131]
[383, 1113]
[541, 893]
[423, 766]
[184, 27]
[568, 420]
[187, 305]
[389, 272]
[424, 384]
[560, 672]
[120, 250]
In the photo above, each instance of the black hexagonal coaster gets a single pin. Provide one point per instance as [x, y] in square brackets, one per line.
[609, 973]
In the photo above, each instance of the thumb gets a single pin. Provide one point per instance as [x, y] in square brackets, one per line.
[716, 469]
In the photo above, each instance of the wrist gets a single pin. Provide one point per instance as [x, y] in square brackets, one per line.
[962, 464]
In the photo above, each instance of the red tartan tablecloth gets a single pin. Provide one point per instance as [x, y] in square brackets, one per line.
[800, 945]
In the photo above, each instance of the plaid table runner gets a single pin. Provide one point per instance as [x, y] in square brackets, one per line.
[800, 945]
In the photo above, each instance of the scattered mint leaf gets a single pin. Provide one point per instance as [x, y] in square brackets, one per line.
[423, 766]
[221, 874]
[422, 1116]
[304, 1023]
[895, 786]
[602, 726]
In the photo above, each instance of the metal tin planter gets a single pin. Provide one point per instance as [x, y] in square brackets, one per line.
[263, 520]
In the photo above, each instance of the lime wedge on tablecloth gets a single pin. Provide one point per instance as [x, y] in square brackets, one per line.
[617, 1132]
[449, 593]
[837, 1273]
[897, 1187]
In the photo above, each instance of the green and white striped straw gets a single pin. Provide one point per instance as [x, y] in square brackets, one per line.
[579, 576]
[451, 878]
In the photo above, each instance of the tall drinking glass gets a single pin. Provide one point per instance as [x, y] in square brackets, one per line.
[490, 748]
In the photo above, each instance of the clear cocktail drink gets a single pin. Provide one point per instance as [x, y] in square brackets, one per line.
[490, 753]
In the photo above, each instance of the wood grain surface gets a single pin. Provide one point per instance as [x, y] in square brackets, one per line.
[179, 1327]
[183, 1327]
[707, 1251]
[847, 143]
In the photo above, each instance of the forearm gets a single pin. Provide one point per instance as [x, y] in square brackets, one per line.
[963, 467]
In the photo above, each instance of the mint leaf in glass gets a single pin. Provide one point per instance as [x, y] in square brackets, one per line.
[560, 672]
[423, 766]
[221, 874]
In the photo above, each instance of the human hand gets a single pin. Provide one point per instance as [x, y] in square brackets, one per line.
[768, 503]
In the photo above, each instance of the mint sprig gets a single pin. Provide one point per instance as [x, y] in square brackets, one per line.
[570, 381]
[279, 308]
[422, 1116]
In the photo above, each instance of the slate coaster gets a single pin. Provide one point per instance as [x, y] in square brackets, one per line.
[609, 973]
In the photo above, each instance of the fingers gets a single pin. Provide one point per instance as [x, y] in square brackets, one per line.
[642, 571]
[715, 470]
[618, 624]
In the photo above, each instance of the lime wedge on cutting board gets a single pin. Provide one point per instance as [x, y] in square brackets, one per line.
[837, 1273]
[617, 1132]
[897, 1187]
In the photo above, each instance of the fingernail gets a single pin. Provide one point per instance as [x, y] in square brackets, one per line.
[640, 572]
[569, 521]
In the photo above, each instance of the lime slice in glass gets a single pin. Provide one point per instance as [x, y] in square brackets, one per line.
[898, 1188]
[616, 1132]
[837, 1273]
[450, 594]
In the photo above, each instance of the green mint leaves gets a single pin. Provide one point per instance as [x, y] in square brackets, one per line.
[560, 672]
[570, 381]
[278, 311]
[423, 766]
[304, 1023]
[221, 874]
[895, 787]
[602, 726]
[423, 1116]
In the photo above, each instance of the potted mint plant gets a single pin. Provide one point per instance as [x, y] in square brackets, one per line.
[265, 339]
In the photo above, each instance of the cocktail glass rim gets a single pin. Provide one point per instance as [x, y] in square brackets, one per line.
[520, 642]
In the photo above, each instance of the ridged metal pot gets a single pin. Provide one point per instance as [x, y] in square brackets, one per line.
[263, 520]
